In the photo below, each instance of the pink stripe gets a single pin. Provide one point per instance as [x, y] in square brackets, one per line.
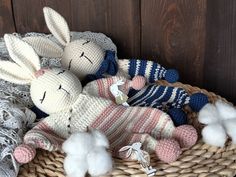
[163, 128]
[112, 121]
[44, 127]
[116, 135]
[106, 112]
[154, 122]
[100, 87]
[140, 122]
[110, 82]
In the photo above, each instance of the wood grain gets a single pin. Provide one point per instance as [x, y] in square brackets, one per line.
[29, 14]
[118, 19]
[173, 33]
[6, 18]
[220, 52]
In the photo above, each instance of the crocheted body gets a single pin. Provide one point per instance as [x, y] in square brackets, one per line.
[155, 96]
[119, 123]
[159, 96]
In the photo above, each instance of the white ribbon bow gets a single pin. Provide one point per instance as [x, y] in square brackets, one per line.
[136, 148]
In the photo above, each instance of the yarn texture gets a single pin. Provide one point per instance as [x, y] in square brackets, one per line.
[166, 98]
[76, 110]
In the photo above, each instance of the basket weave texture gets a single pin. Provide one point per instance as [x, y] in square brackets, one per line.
[201, 160]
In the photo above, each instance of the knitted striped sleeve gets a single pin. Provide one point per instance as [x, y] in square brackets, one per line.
[157, 95]
[149, 69]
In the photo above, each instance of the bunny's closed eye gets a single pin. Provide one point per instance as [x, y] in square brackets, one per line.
[60, 88]
[83, 55]
[86, 42]
[61, 72]
[44, 94]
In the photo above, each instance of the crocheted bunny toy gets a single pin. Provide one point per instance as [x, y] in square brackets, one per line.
[85, 58]
[172, 99]
[59, 93]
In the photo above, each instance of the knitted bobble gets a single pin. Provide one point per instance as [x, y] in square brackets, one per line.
[138, 82]
[186, 135]
[171, 75]
[178, 116]
[168, 150]
[24, 153]
[197, 101]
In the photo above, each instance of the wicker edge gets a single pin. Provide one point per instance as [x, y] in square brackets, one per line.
[201, 160]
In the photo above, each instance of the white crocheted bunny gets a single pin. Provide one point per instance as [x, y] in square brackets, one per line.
[85, 58]
[58, 93]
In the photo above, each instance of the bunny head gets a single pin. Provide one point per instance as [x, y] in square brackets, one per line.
[51, 90]
[81, 56]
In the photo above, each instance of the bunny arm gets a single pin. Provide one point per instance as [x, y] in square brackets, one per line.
[101, 87]
[167, 150]
[151, 70]
[158, 95]
[43, 137]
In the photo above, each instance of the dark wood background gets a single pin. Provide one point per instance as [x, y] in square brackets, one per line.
[197, 37]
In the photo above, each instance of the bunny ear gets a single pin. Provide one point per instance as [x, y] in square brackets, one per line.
[22, 53]
[14, 73]
[44, 47]
[57, 25]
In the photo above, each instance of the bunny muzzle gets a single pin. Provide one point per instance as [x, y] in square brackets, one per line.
[40, 72]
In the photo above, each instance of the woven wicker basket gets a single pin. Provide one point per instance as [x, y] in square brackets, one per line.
[201, 160]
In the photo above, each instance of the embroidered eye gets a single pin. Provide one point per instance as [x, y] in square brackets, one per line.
[86, 42]
[61, 72]
[69, 64]
[82, 55]
[41, 100]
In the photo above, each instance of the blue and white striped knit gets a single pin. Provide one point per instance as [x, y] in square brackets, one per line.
[149, 69]
[170, 99]
[158, 96]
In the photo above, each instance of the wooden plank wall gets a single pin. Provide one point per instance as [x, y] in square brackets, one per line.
[196, 37]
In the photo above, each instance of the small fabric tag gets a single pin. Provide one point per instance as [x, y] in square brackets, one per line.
[142, 157]
[120, 97]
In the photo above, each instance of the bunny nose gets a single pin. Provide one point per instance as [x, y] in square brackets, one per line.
[40, 72]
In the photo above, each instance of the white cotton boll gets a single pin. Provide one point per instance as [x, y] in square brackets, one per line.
[208, 114]
[230, 126]
[75, 166]
[100, 139]
[99, 162]
[78, 144]
[225, 110]
[214, 134]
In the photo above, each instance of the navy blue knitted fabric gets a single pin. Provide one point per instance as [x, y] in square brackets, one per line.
[108, 66]
[151, 70]
[170, 99]
[158, 96]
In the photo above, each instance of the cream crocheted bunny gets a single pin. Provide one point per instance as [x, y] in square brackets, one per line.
[59, 93]
[83, 57]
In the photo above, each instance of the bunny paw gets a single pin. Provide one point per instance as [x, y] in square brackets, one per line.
[168, 150]
[24, 153]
